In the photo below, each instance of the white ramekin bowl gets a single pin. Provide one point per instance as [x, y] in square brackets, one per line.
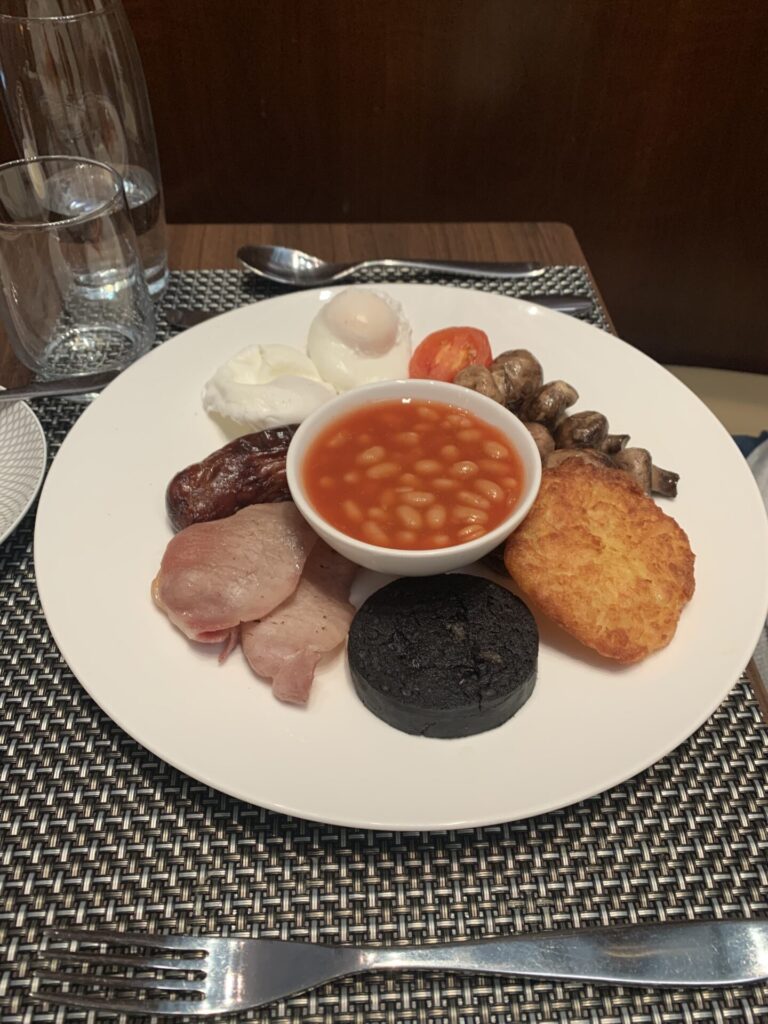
[395, 560]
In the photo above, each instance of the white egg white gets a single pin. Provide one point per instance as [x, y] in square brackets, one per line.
[260, 364]
[266, 386]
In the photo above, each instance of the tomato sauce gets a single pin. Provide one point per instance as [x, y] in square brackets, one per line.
[412, 474]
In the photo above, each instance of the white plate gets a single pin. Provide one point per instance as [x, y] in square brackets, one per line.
[102, 530]
[22, 463]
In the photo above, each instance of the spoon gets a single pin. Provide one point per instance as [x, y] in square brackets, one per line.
[300, 270]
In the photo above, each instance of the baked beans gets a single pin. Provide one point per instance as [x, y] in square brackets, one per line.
[412, 474]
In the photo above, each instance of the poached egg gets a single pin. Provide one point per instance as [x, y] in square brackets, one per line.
[266, 386]
[359, 336]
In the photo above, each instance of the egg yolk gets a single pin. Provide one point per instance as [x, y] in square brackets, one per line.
[363, 321]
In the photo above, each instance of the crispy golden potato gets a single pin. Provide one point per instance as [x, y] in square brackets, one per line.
[602, 559]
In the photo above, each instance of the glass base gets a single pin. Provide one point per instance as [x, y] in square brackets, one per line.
[90, 349]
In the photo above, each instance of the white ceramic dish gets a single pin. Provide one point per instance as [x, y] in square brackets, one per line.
[22, 464]
[588, 726]
[394, 560]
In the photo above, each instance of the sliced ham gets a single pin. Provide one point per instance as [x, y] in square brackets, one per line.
[286, 645]
[215, 575]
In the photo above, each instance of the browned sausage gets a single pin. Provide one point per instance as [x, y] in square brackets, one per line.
[248, 471]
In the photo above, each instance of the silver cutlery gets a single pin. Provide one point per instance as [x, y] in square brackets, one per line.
[200, 976]
[78, 385]
[300, 270]
[184, 317]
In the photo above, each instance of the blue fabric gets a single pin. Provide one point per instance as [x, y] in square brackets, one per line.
[747, 444]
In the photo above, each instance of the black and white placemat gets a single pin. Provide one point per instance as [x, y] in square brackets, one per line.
[94, 830]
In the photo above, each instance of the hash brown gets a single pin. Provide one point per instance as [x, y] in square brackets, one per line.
[603, 561]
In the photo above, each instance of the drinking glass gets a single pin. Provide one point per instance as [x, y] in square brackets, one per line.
[73, 297]
[72, 84]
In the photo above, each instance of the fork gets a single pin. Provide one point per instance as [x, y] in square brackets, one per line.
[200, 976]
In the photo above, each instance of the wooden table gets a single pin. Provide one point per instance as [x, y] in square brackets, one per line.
[740, 399]
[215, 245]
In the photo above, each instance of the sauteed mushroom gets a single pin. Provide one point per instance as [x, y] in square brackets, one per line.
[544, 440]
[664, 481]
[581, 430]
[515, 378]
[477, 378]
[589, 455]
[653, 480]
[613, 443]
[637, 463]
[527, 366]
[549, 403]
[518, 374]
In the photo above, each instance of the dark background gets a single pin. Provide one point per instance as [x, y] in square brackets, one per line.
[642, 123]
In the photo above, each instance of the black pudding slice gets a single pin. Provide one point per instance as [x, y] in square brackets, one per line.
[444, 656]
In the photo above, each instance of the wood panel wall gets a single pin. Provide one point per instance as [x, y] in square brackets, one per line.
[642, 123]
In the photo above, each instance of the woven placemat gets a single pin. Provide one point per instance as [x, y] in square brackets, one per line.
[94, 830]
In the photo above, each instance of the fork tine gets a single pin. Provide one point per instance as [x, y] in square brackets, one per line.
[169, 942]
[160, 1007]
[161, 963]
[115, 981]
